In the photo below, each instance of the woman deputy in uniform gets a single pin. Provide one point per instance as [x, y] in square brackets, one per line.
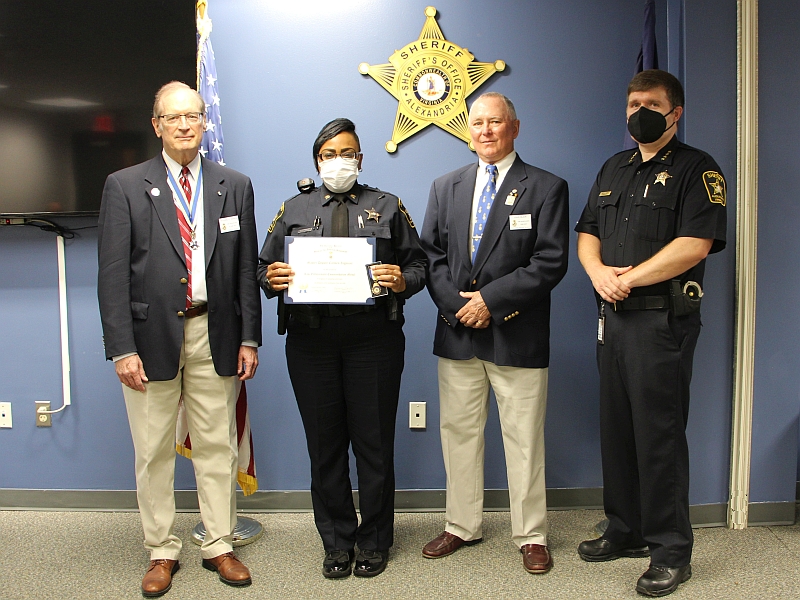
[345, 360]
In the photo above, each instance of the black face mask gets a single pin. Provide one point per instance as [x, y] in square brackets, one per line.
[646, 126]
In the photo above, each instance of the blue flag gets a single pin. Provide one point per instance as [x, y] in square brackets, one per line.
[212, 146]
[648, 53]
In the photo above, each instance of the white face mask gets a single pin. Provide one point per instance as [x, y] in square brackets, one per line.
[339, 174]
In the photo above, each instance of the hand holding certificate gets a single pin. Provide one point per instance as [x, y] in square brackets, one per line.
[329, 270]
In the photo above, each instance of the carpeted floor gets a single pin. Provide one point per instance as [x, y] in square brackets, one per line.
[88, 555]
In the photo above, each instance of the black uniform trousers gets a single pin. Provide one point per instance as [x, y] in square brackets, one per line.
[346, 379]
[645, 370]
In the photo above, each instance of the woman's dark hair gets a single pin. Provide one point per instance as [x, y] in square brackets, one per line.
[330, 131]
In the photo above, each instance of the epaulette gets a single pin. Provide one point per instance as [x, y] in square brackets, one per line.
[374, 189]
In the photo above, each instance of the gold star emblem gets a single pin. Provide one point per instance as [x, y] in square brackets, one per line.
[662, 178]
[372, 214]
[431, 79]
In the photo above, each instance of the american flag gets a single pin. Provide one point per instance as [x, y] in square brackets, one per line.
[212, 146]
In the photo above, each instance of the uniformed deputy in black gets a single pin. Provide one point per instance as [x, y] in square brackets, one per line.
[635, 214]
[345, 363]
[645, 351]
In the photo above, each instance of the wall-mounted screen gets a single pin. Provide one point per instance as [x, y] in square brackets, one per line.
[77, 81]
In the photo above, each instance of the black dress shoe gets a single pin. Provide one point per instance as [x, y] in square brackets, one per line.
[337, 563]
[601, 550]
[370, 562]
[660, 581]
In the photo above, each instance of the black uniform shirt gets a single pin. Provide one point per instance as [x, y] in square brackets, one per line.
[383, 217]
[636, 208]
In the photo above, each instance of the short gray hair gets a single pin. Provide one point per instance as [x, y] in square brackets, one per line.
[512, 112]
[171, 87]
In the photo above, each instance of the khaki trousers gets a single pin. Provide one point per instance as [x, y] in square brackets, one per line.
[463, 407]
[210, 408]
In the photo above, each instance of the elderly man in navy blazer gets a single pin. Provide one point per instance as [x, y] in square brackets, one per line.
[496, 235]
[181, 317]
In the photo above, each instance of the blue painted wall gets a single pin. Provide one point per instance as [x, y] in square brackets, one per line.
[283, 73]
[777, 369]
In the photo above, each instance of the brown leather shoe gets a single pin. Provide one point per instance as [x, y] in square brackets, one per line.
[230, 569]
[158, 579]
[445, 543]
[536, 558]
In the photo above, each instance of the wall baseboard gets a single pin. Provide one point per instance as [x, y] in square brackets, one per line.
[702, 515]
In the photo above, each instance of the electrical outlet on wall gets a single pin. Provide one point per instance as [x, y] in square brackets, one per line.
[43, 418]
[416, 415]
[5, 414]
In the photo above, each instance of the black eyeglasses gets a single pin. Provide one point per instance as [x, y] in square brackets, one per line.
[330, 155]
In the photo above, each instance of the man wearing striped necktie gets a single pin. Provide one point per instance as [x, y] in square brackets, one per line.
[181, 316]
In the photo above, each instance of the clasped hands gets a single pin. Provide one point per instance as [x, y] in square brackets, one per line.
[280, 274]
[474, 313]
[609, 283]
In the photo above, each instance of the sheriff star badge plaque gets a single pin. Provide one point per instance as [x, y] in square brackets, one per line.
[431, 79]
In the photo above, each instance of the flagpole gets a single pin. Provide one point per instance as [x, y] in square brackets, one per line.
[246, 530]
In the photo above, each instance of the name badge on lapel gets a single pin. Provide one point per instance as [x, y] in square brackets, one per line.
[228, 224]
[517, 222]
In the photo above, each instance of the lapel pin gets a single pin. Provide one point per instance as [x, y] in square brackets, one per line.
[155, 192]
[511, 198]
[219, 193]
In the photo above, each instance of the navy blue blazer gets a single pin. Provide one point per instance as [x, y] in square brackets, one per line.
[515, 268]
[142, 264]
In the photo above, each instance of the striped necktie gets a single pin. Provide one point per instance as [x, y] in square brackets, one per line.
[186, 232]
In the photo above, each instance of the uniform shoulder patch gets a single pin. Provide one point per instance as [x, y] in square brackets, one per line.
[715, 186]
[277, 216]
[405, 213]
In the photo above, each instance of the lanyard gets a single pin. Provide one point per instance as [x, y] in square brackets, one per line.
[178, 191]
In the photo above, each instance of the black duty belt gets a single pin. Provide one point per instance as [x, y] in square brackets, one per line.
[195, 311]
[642, 303]
[344, 310]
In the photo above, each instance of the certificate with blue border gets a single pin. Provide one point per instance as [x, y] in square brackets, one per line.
[329, 270]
